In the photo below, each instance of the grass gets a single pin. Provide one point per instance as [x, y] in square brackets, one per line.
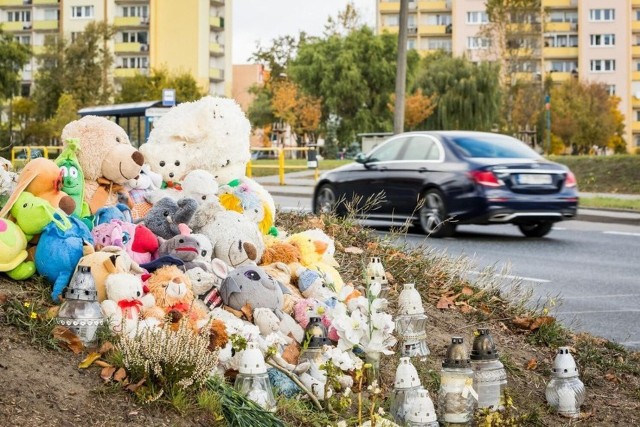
[257, 170]
[610, 203]
[605, 174]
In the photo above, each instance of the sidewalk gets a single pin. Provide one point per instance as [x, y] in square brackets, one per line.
[301, 184]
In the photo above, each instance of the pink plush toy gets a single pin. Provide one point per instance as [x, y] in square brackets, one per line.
[307, 308]
[139, 242]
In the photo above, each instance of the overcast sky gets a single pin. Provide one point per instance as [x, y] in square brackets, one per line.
[263, 20]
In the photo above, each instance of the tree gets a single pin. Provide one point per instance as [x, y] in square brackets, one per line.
[14, 57]
[65, 113]
[144, 88]
[418, 108]
[260, 112]
[278, 55]
[583, 115]
[27, 128]
[468, 94]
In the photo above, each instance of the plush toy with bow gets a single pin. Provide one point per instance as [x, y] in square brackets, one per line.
[125, 302]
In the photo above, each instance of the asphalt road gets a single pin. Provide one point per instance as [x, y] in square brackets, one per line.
[593, 268]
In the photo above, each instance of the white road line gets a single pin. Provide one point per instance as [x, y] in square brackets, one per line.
[622, 233]
[602, 296]
[510, 276]
[598, 311]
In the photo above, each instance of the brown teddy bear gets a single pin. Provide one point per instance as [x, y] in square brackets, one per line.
[107, 158]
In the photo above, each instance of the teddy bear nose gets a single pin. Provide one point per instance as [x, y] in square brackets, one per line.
[170, 174]
[138, 158]
[176, 280]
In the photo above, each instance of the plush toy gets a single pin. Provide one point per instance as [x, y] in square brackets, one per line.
[42, 178]
[13, 252]
[198, 184]
[249, 198]
[279, 251]
[206, 285]
[32, 214]
[317, 235]
[105, 214]
[312, 285]
[108, 260]
[73, 177]
[235, 239]
[211, 134]
[184, 247]
[140, 243]
[165, 216]
[174, 297]
[311, 252]
[281, 272]
[249, 284]
[206, 248]
[8, 181]
[125, 302]
[58, 252]
[141, 189]
[106, 157]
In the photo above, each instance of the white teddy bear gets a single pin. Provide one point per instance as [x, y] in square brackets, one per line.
[125, 301]
[198, 184]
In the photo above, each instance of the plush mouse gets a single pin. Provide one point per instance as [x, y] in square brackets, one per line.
[141, 189]
[42, 178]
[125, 301]
[249, 284]
[165, 216]
[106, 157]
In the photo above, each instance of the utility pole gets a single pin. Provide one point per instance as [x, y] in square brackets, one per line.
[401, 69]
[547, 106]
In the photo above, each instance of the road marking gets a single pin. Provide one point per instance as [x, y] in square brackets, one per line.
[602, 296]
[622, 233]
[598, 311]
[510, 276]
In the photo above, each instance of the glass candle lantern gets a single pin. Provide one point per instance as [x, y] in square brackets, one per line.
[405, 390]
[489, 376]
[80, 311]
[252, 380]
[565, 392]
[422, 413]
[456, 398]
[316, 338]
[411, 323]
[375, 273]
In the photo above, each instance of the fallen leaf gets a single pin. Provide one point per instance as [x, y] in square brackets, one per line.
[3, 298]
[106, 347]
[52, 312]
[532, 364]
[68, 339]
[247, 311]
[315, 222]
[611, 377]
[541, 321]
[133, 387]
[372, 246]
[445, 302]
[102, 364]
[464, 307]
[107, 373]
[353, 250]
[120, 375]
[467, 291]
[92, 357]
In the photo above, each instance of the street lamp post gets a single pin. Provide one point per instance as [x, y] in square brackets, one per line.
[547, 106]
[401, 68]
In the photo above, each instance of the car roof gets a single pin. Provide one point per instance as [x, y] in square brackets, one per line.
[453, 133]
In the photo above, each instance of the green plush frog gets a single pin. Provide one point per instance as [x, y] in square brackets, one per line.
[32, 214]
[73, 177]
[13, 252]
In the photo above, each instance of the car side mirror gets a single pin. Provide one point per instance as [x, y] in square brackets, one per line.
[360, 158]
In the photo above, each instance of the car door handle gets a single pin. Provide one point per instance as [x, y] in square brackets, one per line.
[423, 169]
[383, 168]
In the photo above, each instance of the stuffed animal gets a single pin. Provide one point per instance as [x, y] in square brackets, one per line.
[281, 272]
[125, 302]
[249, 198]
[235, 239]
[13, 252]
[58, 252]
[8, 180]
[73, 177]
[107, 261]
[311, 252]
[174, 297]
[313, 285]
[249, 284]
[42, 178]
[206, 248]
[317, 235]
[119, 211]
[211, 134]
[198, 184]
[165, 216]
[184, 247]
[32, 214]
[279, 251]
[140, 243]
[106, 157]
[206, 285]
[141, 189]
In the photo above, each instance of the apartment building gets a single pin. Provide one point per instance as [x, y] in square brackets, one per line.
[183, 36]
[591, 40]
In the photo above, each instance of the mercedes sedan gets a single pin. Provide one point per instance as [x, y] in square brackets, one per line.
[438, 180]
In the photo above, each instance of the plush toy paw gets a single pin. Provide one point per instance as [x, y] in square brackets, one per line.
[23, 271]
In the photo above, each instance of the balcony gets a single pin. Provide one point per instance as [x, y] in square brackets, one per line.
[635, 26]
[130, 21]
[433, 6]
[560, 4]
[635, 76]
[390, 30]
[560, 52]
[130, 72]
[12, 3]
[558, 77]
[216, 23]
[389, 6]
[16, 26]
[51, 24]
[560, 27]
[131, 47]
[216, 49]
[635, 127]
[635, 102]
[38, 49]
[45, 2]
[216, 74]
[635, 51]
[433, 29]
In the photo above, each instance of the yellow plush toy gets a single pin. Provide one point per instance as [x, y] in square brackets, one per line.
[245, 196]
[311, 253]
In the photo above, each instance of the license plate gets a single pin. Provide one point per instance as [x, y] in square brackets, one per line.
[534, 179]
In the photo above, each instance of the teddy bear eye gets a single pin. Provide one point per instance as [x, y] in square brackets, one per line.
[204, 197]
[162, 163]
[252, 275]
[228, 161]
[117, 139]
[181, 241]
[177, 163]
[203, 253]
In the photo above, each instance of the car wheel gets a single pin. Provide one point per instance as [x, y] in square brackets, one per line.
[536, 229]
[325, 201]
[434, 220]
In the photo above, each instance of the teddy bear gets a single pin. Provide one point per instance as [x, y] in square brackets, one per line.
[281, 272]
[106, 157]
[198, 184]
[166, 215]
[211, 134]
[141, 188]
[108, 260]
[125, 301]
[42, 178]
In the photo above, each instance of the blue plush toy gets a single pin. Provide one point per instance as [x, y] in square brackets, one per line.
[58, 252]
[106, 214]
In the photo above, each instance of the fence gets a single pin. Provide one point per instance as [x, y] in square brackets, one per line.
[312, 162]
[20, 155]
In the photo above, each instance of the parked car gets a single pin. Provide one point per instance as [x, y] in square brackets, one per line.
[441, 179]
[264, 154]
[35, 153]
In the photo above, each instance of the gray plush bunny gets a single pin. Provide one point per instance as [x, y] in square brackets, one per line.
[164, 216]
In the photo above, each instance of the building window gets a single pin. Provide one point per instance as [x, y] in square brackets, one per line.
[135, 37]
[435, 19]
[611, 89]
[75, 35]
[477, 17]
[390, 20]
[561, 40]
[603, 40]
[603, 65]
[478, 43]
[562, 66]
[602, 15]
[563, 16]
[51, 14]
[637, 113]
[26, 40]
[19, 16]
[636, 14]
[82, 12]
[435, 44]
[134, 62]
[139, 11]
[411, 44]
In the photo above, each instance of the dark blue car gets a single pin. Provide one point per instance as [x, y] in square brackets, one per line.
[441, 179]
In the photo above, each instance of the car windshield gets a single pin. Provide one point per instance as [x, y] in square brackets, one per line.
[493, 146]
